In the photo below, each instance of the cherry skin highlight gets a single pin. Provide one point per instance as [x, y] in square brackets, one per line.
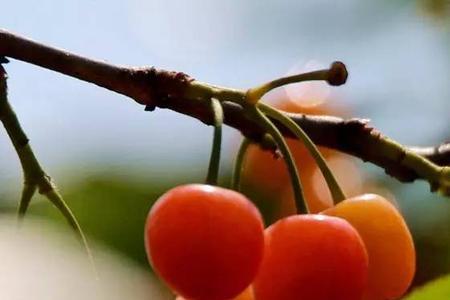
[312, 257]
[205, 242]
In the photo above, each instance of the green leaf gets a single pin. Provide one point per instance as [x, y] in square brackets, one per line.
[438, 289]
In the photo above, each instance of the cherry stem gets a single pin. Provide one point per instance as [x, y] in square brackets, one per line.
[214, 162]
[300, 203]
[239, 165]
[335, 75]
[335, 189]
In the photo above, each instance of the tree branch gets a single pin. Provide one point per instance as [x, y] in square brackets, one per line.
[178, 92]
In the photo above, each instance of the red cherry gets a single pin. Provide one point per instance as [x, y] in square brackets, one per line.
[312, 257]
[205, 242]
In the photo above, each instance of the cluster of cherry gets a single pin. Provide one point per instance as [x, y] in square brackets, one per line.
[210, 243]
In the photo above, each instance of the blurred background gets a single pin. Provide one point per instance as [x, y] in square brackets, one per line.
[112, 160]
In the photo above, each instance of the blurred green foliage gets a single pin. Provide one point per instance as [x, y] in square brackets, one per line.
[110, 209]
[436, 290]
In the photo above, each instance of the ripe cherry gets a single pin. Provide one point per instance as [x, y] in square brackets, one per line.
[205, 242]
[388, 241]
[312, 257]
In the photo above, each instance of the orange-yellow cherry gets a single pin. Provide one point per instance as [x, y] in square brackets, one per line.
[389, 244]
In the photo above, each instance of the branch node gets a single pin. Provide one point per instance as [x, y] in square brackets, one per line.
[166, 84]
[46, 185]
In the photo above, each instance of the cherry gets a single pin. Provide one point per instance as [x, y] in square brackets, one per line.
[312, 257]
[205, 242]
[388, 241]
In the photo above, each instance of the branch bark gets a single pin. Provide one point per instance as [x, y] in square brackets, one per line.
[178, 92]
